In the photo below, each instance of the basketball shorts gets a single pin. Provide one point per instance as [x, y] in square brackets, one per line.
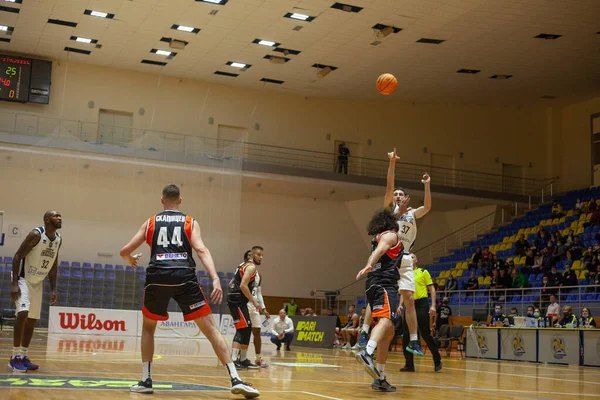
[384, 301]
[407, 275]
[240, 314]
[162, 285]
[31, 298]
[254, 316]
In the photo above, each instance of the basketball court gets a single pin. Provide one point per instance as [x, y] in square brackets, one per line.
[103, 367]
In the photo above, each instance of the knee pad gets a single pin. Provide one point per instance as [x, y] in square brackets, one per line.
[242, 336]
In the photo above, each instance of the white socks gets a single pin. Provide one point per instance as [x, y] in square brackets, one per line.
[235, 354]
[414, 336]
[371, 346]
[24, 351]
[258, 356]
[232, 371]
[16, 352]
[146, 366]
[365, 328]
[243, 354]
[381, 369]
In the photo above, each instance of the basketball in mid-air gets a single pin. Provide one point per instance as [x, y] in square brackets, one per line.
[386, 84]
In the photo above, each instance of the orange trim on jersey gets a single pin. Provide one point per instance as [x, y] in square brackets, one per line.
[150, 230]
[201, 312]
[150, 315]
[242, 323]
[385, 311]
[393, 251]
[243, 268]
[188, 226]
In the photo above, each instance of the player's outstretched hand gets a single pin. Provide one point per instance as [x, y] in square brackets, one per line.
[133, 259]
[15, 292]
[363, 271]
[393, 156]
[426, 179]
[53, 298]
[217, 293]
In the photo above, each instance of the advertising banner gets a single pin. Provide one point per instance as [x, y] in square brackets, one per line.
[559, 346]
[314, 331]
[93, 321]
[482, 342]
[518, 344]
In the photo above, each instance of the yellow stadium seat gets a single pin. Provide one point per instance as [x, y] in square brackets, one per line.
[580, 230]
[588, 217]
[521, 232]
[487, 280]
[509, 259]
[562, 220]
[598, 202]
[577, 265]
[583, 274]
[444, 274]
[505, 240]
[580, 223]
[570, 213]
[581, 216]
[574, 224]
[480, 280]
[441, 282]
[543, 223]
[555, 221]
[523, 260]
[465, 265]
[513, 239]
[458, 273]
[458, 264]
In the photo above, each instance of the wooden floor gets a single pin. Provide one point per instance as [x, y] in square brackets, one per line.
[94, 367]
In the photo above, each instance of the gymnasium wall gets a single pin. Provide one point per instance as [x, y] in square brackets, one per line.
[481, 133]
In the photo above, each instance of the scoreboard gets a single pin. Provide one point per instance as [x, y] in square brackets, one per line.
[24, 79]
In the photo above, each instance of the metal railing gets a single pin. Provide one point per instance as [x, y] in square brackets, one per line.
[521, 298]
[456, 239]
[154, 144]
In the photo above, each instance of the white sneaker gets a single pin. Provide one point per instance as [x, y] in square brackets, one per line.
[142, 387]
[355, 347]
[245, 389]
[346, 346]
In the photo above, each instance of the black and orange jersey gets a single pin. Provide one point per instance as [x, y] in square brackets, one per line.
[169, 236]
[235, 294]
[385, 271]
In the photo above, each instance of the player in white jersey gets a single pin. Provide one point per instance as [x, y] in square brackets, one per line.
[254, 314]
[36, 258]
[395, 197]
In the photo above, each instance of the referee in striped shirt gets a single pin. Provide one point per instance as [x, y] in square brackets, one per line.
[424, 284]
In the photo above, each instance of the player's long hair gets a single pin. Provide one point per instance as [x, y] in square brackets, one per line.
[383, 220]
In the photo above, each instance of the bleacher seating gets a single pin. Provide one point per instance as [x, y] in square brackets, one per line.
[502, 243]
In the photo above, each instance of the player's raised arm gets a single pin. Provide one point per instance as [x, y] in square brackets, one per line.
[386, 242]
[135, 242]
[426, 207]
[391, 175]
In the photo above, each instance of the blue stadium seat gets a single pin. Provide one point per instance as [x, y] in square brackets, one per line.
[118, 268]
[64, 264]
[75, 264]
[87, 265]
[98, 266]
[108, 267]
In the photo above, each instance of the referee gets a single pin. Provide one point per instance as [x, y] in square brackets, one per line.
[423, 285]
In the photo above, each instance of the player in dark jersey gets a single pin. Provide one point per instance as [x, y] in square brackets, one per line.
[171, 273]
[240, 293]
[382, 293]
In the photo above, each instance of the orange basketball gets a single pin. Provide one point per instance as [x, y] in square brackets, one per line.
[386, 84]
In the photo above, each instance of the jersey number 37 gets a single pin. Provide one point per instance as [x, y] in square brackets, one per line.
[404, 229]
[163, 237]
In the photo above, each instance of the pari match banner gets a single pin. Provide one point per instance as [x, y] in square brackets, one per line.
[314, 331]
[518, 344]
[559, 346]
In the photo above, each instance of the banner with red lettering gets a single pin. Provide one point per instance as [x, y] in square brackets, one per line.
[93, 321]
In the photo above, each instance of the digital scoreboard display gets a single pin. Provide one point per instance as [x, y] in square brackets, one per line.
[15, 78]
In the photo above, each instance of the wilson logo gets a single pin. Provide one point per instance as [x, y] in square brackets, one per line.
[89, 322]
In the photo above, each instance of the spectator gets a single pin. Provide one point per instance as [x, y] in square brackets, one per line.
[557, 211]
[498, 263]
[444, 314]
[579, 206]
[593, 268]
[559, 252]
[356, 331]
[592, 205]
[283, 331]
[554, 278]
[543, 239]
[537, 314]
[569, 278]
[530, 311]
[538, 262]
[586, 320]
[594, 220]
[338, 326]
[498, 318]
[518, 279]
[588, 256]
[570, 238]
[309, 312]
[547, 261]
[494, 284]
[521, 247]
[451, 284]
[504, 280]
[485, 256]
[558, 237]
[597, 279]
[553, 309]
[529, 258]
[569, 319]
[291, 308]
[546, 288]
[343, 153]
[575, 251]
[472, 284]
[514, 312]
[351, 325]
[477, 259]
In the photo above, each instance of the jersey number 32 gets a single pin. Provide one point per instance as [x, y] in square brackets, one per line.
[163, 237]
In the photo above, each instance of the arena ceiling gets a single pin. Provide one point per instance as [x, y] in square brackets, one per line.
[496, 38]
